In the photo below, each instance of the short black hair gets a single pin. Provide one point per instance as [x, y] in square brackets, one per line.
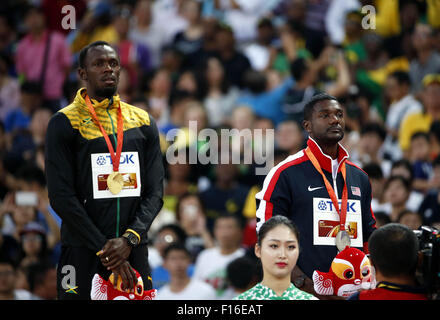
[406, 164]
[402, 77]
[406, 183]
[420, 134]
[393, 250]
[241, 272]
[177, 246]
[298, 68]
[83, 52]
[30, 172]
[239, 219]
[436, 161]
[434, 130]
[308, 107]
[177, 229]
[373, 170]
[374, 127]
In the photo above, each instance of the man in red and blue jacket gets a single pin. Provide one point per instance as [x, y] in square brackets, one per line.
[296, 189]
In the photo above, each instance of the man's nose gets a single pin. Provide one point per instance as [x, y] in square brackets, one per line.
[334, 118]
[107, 67]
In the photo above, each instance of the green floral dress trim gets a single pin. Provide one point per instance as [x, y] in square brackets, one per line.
[261, 292]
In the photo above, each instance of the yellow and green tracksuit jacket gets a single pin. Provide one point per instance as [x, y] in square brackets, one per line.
[76, 152]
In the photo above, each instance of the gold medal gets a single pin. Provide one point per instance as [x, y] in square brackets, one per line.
[115, 182]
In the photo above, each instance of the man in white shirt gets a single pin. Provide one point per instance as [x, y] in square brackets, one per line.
[211, 263]
[398, 90]
[177, 259]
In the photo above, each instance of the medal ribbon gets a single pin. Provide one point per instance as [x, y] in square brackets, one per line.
[116, 157]
[343, 210]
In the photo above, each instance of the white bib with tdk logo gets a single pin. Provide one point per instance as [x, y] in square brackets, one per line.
[129, 168]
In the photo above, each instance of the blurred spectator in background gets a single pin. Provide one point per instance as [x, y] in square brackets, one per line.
[26, 141]
[7, 283]
[263, 102]
[370, 146]
[304, 72]
[289, 137]
[396, 193]
[242, 16]
[190, 39]
[421, 121]
[219, 96]
[410, 219]
[134, 56]
[227, 194]
[30, 178]
[9, 87]
[34, 247]
[19, 119]
[402, 103]
[44, 58]
[404, 168]
[382, 218]
[42, 279]
[377, 180]
[177, 259]
[158, 93]
[241, 275]
[143, 31]
[430, 207]
[179, 180]
[336, 19]
[190, 214]
[260, 51]
[234, 62]
[420, 158]
[427, 60]
[8, 39]
[95, 25]
[434, 139]
[211, 263]
[165, 236]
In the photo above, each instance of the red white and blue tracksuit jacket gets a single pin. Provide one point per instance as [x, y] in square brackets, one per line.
[295, 189]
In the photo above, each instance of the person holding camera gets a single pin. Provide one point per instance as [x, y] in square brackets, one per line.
[394, 255]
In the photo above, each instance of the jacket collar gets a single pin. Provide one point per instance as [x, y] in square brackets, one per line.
[80, 99]
[324, 160]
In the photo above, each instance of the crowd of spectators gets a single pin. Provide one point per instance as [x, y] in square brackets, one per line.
[243, 64]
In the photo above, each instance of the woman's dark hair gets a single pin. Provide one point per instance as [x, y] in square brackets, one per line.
[406, 183]
[201, 72]
[406, 164]
[273, 222]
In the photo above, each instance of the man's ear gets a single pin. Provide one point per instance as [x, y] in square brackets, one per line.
[307, 125]
[82, 74]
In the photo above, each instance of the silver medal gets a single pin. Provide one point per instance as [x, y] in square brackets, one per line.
[342, 240]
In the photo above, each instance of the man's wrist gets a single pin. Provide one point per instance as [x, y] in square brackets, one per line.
[132, 238]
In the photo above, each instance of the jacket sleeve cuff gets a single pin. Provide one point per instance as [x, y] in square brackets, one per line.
[135, 233]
